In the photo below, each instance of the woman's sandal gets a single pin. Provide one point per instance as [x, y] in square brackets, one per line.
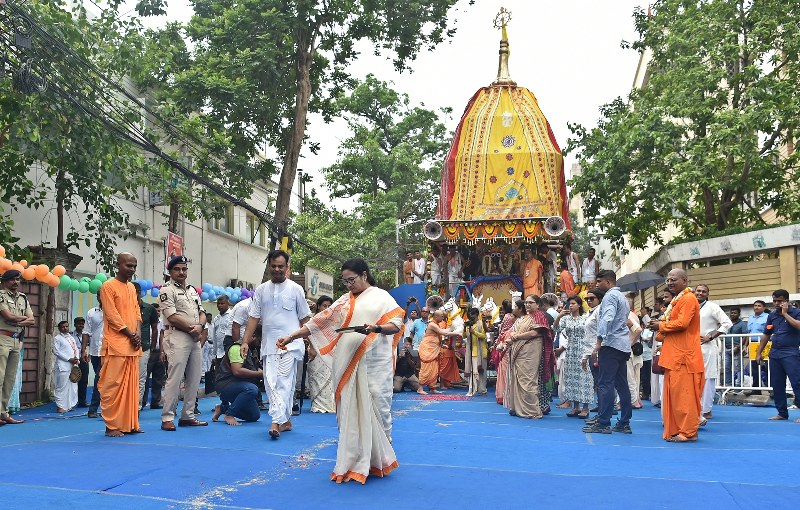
[574, 413]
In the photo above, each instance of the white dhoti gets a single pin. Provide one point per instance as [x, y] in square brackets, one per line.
[656, 386]
[66, 394]
[711, 354]
[709, 389]
[634, 375]
[280, 371]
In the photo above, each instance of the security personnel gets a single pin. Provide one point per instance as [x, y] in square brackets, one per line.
[15, 312]
[183, 324]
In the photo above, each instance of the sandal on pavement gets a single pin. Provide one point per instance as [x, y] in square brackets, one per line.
[778, 417]
[678, 438]
[574, 413]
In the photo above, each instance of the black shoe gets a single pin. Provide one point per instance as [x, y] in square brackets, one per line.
[295, 410]
[623, 428]
[156, 407]
[597, 429]
[591, 421]
[197, 410]
[91, 414]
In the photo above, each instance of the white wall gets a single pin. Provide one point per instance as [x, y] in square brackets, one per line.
[216, 257]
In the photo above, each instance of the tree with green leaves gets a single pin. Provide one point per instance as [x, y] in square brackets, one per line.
[390, 165]
[260, 66]
[42, 134]
[709, 140]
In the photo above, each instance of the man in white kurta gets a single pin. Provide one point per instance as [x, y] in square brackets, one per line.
[713, 323]
[65, 350]
[281, 307]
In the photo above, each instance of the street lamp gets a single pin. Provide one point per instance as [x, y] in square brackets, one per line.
[398, 226]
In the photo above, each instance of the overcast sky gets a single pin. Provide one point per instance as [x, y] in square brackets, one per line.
[566, 52]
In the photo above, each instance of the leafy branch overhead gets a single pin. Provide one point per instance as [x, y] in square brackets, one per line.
[708, 142]
[390, 165]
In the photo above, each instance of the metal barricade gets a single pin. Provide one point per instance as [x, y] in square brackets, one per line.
[738, 369]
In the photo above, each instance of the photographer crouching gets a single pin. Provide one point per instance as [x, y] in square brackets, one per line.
[236, 382]
[405, 371]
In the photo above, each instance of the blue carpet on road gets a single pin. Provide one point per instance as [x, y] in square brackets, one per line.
[453, 454]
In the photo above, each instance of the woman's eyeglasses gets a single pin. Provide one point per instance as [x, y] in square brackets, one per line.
[349, 281]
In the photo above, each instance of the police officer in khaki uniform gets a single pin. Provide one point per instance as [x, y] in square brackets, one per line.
[183, 324]
[15, 312]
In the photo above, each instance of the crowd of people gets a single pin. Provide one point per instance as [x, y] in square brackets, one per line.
[593, 352]
[599, 355]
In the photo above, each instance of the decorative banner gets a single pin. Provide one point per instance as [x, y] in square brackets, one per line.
[173, 248]
[318, 283]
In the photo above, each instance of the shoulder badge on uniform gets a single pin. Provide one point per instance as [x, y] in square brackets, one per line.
[163, 297]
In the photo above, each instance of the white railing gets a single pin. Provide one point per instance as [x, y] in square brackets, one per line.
[738, 370]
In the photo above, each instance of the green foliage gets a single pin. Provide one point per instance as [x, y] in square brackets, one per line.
[701, 144]
[582, 236]
[390, 165]
[72, 156]
[257, 67]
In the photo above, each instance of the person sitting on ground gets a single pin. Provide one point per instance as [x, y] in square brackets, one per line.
[405, 371]
[235, 382]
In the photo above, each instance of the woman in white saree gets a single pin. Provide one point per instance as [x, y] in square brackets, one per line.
[362, 362]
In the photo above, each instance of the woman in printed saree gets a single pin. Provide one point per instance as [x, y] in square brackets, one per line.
[528, 341]
[361, 358]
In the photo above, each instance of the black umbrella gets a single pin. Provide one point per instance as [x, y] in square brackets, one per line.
[639, 281]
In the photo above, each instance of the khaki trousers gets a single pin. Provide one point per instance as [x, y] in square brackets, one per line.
[9, 360]
[184, 360]
[143, 375]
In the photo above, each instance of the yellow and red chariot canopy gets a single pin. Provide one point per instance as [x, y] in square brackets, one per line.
[504, 173]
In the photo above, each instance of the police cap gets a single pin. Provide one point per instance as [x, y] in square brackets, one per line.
[10, 275]
[180, 259]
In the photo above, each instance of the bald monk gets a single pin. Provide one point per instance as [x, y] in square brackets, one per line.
[682, 359]
[122, 348]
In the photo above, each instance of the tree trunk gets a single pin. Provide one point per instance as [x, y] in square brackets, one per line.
[295, 144]
[60, 244]
[172, 222]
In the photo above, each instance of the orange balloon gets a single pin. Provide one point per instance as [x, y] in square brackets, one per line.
[23, 263]
[5, 264]
[53, 280]
[2, 251]
[59, 270]
[42, 270]
[28, 273]
[16, 266]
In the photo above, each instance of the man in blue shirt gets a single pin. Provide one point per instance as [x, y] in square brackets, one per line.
[756, 324]
[613, 350]
[733, 348]
[417, 330]
[783, 327]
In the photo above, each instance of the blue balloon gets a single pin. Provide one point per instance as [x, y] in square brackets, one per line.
[144, 293]
[149, 284]
[204, 296]
[234, 299]
[206, 287]
[154, 292]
